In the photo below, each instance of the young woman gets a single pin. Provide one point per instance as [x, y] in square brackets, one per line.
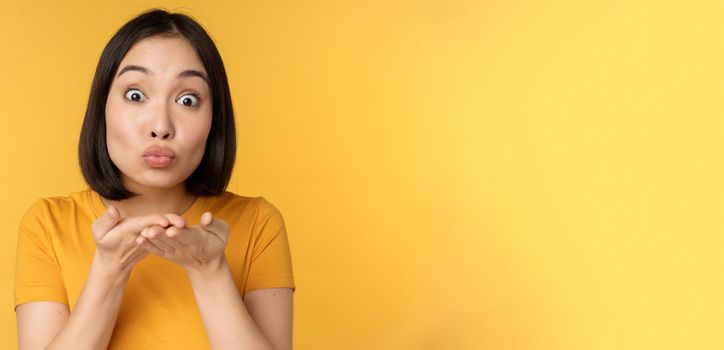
[155, 253]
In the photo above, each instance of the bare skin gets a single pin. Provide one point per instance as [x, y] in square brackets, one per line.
[158, 105]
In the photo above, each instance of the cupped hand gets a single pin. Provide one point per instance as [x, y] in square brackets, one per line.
[196, 248]
[115, 238]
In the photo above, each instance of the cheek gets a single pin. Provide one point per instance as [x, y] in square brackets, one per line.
[198, 133]
[118, 130]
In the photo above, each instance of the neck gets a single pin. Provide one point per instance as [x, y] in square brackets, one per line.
[153, 200]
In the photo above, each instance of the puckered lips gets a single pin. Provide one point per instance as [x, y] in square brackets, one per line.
[158, 157]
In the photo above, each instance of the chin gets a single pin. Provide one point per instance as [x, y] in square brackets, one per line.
[160, 181]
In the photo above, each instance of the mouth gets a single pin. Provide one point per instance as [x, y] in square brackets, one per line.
[159, 157]
[158, 162]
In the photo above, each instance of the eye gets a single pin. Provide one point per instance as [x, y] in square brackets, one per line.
[188, 100]
[134, 95]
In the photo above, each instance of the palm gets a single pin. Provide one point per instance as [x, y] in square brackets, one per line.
[190, 246]
[203, 243]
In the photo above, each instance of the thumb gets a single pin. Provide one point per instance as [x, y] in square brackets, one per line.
[214, 225]
[106, 222]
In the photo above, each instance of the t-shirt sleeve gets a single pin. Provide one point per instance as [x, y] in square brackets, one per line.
[37, 273]
[271, 264]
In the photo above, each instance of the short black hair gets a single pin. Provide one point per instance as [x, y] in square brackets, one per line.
[212, 175]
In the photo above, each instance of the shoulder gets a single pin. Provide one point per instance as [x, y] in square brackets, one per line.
[50, 208]
[253, 212]
[257, 205]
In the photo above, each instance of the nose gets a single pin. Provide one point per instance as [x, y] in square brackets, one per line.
[164, 136]
[161, 126]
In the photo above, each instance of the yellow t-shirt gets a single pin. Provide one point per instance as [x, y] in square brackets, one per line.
[158, 310]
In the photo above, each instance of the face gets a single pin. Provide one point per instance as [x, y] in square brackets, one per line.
[159, 98]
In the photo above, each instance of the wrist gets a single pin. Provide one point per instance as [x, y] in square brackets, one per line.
[208, 269]
[109, 269]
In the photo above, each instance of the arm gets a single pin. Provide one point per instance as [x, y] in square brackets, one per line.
[272, 310]
[91, 323]
[228, 322]
[89, 326]
[39, 322]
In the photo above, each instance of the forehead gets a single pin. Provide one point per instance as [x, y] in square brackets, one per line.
[163, 55]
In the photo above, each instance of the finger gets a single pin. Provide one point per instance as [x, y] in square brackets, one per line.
[185, 235]
[105, 222]
[215, 225]
[176, 220]
[163, 237]
[153, 235]
[142, 237]
[139, 223]
[206, 218]
[166, 250]
[152, 248]
[128, 254]
[139, 254]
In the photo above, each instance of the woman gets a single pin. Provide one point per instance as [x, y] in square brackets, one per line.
[155, 253]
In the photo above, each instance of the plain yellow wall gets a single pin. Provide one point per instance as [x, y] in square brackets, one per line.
[453, 174]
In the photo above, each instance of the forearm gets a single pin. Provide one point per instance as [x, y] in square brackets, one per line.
[226, 319]
[91, 323]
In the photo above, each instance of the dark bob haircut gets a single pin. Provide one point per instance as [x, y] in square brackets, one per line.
[212, 175]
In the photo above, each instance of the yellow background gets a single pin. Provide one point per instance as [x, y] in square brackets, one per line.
[453, 174]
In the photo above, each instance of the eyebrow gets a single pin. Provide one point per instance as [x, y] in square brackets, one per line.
[144, 70]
